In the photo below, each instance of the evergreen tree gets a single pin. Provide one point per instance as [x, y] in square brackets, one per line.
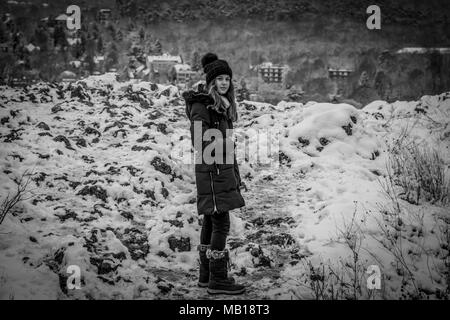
[196, 62]
[142, 34]
[91, 63]
[157, 48]
[112, 57]
[59, 37]
[4, 34]
[100, 45]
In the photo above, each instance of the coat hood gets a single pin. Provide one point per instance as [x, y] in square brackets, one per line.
[191, 97]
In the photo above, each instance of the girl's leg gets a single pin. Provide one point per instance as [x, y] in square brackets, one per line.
[205, 233]
[220, 229]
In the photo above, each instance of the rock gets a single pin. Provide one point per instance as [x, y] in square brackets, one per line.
[104, 265]
[123, 131]
[165, 92]
[57, 108]
[79, 92]
[162, 254]
[90, 130]
[43, 126]
[155, 114]
[348, 129]
[96, 191]
[145, 137]
[42, 134]
[150, 194]
[164, 192]
[139, 148]
[279, 220]
[303, 142]
[176, 223]
[282, 239]
[159, 165]
[127, 215]
[61, 138]
[39, 177]
[181, 244]
[13, 135]
[33, 239]
[324, 141]
[81, 143]
[375, 154]
[136, 243]
[4, 120]
[165, 287]
[257, 235]
[68, 215]
[161, 127]
[283, 158]
[258, 221]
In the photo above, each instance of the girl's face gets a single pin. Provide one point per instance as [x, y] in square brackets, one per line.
[222, 83]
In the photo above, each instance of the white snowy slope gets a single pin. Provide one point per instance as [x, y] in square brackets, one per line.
[112, 195]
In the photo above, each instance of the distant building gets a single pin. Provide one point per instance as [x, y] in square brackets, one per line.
[62, 19]
[271, 73]
[422, 50]
[75, 63]
[340, 77]
[160, 66]
[99, 62]
[183, 73]
[67, 76]
[5, 47]
[339, 73]
[104, 15]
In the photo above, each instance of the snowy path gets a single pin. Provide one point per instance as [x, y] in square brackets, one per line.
[268, 221]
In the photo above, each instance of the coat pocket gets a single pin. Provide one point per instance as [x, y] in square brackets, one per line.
[225, 180]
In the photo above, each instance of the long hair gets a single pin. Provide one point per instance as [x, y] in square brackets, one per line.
[231, 111]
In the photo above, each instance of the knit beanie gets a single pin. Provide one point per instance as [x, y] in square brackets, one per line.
[213, 67]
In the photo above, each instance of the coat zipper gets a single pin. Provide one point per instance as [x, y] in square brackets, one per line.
[214, 194]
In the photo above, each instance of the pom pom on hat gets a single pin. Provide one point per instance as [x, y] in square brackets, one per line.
[208, 58]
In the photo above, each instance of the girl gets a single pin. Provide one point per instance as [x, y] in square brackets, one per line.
[218, 184]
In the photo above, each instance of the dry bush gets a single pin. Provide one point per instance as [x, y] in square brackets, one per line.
[21, 193]
[420, 171]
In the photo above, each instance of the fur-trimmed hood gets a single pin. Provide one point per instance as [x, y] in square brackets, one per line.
[192, 96]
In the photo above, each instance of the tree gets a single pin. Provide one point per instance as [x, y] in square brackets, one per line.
[112, 31]
[196, 62]
[59, 37]
[4, 34]
[112, 57]
[91, 64]
[100, 44]
[142, 34]
[156, 48]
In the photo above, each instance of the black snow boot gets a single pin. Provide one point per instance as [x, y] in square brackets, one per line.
[203, 279]
[219, 283]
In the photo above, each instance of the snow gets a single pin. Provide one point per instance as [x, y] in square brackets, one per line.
[113, 195]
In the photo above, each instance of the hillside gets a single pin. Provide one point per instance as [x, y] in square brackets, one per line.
[111, 194]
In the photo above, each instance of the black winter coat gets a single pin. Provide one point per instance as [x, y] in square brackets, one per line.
[218, 184]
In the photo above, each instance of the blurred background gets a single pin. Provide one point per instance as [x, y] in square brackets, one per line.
[296, 50]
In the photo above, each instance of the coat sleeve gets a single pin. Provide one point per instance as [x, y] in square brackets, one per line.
[201, 114]
[236, 170]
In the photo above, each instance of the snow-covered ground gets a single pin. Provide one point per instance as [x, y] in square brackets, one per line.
[111, 196]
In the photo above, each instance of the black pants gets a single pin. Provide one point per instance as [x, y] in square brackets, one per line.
[215, 230]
